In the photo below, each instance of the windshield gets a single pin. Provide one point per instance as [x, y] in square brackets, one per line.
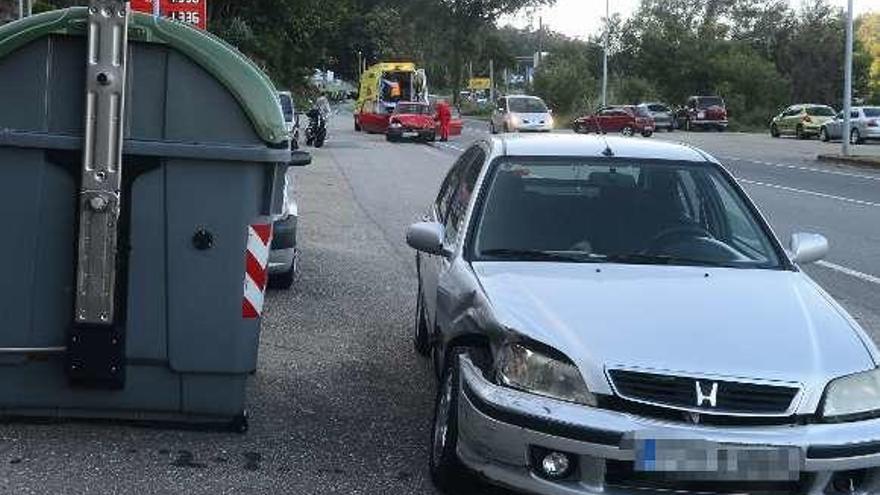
[286, 107]
[640, 111]
[527, 105]
[629, 212]
[657, 108]
[872, 112]
[412, 108]
[709, 101]
[820, 111]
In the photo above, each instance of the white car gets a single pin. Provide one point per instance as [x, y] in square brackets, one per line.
[521, 113]
[614, 316]
[865, 124]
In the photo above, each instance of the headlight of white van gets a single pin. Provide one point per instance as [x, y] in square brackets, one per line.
[852, 395]
[538, 372]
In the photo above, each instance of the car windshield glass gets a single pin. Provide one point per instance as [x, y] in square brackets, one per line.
[820, 111]
[526, 105]
[657, 108]
[411, 108]
[590, 210]
[872, 112]
[710, 101]
[641, 111]
[286, 107]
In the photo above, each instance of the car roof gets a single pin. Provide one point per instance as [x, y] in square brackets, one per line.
[523, 96]
[581, 145]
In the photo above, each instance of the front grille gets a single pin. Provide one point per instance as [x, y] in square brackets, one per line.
[681, 392]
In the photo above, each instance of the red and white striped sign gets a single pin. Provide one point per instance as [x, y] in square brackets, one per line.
[256, 270]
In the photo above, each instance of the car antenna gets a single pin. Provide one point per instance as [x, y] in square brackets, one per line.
[607, 151]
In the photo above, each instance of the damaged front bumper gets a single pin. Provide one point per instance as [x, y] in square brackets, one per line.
[501, 428]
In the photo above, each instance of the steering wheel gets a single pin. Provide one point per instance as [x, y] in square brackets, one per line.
[667, 235]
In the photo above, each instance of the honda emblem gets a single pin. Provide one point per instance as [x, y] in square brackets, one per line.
[703, 397]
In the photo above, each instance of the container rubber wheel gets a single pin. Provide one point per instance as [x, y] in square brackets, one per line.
[240, 423]
[420, 327]
[447, 471]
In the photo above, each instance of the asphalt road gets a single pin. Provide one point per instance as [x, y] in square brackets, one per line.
[341, 404]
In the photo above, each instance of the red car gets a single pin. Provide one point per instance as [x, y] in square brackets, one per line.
[703, 112]
[627, 120]
[416, 120]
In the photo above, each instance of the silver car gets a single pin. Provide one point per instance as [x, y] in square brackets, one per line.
[520, 113]
[662, 114]
[615, 316]
[865, 123]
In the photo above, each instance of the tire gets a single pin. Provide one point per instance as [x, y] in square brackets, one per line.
[390, 138]
[671, 128]
[774, 131]
[823, 135]
[319, 142]
[357, 126]
[431, 137]
[855, 137]
[627, 131]
[421, 341]
[799, 133]
[447, 471]
[647, 134]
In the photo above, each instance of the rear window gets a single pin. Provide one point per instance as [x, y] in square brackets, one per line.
[526, 105]
[872, 112]
[412, 108]
[286, 107]
[657, 108]
[820, 111]
[710, 101]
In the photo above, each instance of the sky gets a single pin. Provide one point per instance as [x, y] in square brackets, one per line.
[581, 18]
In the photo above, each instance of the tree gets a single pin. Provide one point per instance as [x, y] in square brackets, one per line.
[565, 79]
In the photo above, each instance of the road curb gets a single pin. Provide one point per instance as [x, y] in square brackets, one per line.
[865, 161]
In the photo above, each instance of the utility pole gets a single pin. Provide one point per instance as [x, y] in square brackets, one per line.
[540, 40]
[21, 9]
[30, 7]
[605, 55]
[847, 81]
[491, 80]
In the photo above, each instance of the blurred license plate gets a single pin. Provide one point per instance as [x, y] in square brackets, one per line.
[698, 459]
[410, 134]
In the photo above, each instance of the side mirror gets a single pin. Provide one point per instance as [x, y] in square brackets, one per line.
[299, 158]
[808, 248]
[426, 237]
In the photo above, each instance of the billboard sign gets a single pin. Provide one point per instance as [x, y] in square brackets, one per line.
[192, 12]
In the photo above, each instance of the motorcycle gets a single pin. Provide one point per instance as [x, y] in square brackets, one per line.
[316, 132]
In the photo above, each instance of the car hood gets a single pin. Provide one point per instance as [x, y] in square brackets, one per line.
[532, 117]
[414, 120]
[723, 322]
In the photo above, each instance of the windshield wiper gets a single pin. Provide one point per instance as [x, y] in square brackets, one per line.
[659, 259]
[541, 255]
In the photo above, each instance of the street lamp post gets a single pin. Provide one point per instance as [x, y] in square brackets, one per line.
[847, 82]
[605, 55]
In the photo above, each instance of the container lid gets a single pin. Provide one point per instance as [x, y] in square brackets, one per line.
[248, 84]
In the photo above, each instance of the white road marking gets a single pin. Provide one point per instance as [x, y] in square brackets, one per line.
[849, 271]
[802, 168]
[811, 193]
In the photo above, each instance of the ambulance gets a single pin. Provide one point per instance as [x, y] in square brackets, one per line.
[382, 87]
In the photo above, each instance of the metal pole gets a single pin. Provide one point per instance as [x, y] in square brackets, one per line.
[847, 81]
[605, 55]
[30, 7]
[491, 80]
[20, 9]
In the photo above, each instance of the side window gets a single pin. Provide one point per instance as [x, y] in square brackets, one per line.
[448, 186]
[742, 232]
[460, 197]
[854, 114]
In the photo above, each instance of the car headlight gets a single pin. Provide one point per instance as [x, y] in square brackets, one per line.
[395, 125]
[539, 373]
[852, 395]
[701, 115]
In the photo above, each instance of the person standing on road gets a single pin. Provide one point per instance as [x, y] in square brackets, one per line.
[444, 116]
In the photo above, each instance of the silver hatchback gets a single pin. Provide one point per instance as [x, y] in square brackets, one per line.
[865, 125]
[615, 316]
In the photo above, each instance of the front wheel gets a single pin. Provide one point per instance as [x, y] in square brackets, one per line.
[357, 126]
[447, 471]
[774, 131]
[823, 135]
[855, 137]
[647, 134]
[627, 131]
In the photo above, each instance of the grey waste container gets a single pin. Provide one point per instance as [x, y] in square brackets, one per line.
[203, 159]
